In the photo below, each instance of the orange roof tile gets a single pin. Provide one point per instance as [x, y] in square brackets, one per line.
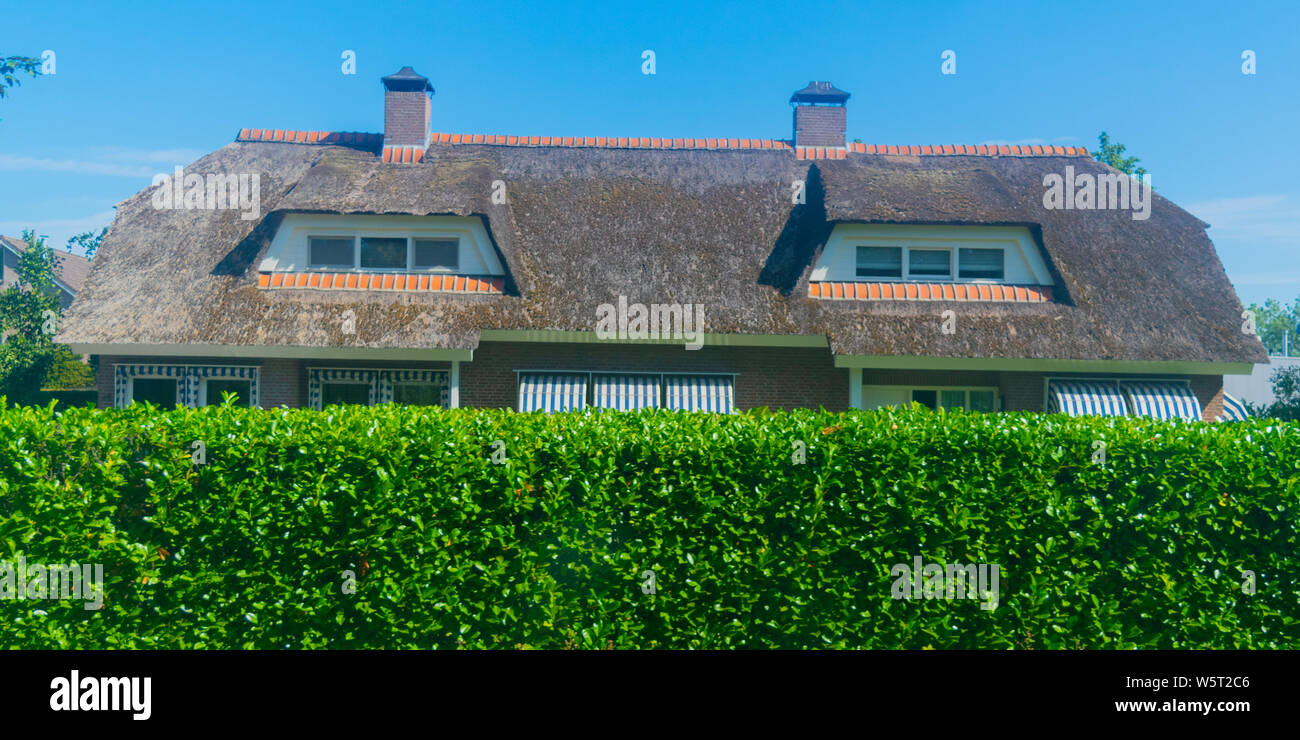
[865, 291]
[377, 281]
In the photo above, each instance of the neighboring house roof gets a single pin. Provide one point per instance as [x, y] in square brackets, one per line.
[73, 268]
[587, 220]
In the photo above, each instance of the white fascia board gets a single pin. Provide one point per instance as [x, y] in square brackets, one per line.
[276, 351]
[590, 337]
[989, 364]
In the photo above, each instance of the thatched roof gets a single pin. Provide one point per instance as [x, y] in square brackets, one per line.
[584, 225]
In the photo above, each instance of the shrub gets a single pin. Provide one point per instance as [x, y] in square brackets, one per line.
[548, 548]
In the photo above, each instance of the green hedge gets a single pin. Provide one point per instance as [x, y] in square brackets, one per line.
[547, 549]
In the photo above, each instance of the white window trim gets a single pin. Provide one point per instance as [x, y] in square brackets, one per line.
[954, 266]
[997, 397]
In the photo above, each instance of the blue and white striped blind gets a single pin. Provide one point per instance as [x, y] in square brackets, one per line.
[1084, 397]
[1163, 400]
[625, 392]
[552, 392]
[699, 393]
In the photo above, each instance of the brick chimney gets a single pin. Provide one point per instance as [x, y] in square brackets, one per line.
[819, 115]
[407, 108]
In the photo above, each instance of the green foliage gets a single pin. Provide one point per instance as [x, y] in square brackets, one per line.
[68, 372]
[12, 67]
[1286, 393]
[1274, 320]
[547, 548]
[1113, 155]
[29, 314]
[88, 242]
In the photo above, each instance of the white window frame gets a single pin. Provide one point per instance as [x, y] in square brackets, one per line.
[954, 264]
[203, 389]
[356, 253]
[410, 267]
[939, 389]
[180, 386]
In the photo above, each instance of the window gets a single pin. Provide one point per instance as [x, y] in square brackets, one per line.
[158, 391]
[345, 393]
[417, 394]
[880, 262]
[984, 400]
[570, 391]
[435, 254]
[383, 253]
[330, 252]
[981, 264]
[241, 389]
[928, 399]
[929, 263]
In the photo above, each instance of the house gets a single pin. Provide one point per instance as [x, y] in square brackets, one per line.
[72, 268]
[558, 272]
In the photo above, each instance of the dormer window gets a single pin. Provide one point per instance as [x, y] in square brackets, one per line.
[383, 254]
[930, 263]
[330, 253]
[436, 254]
[886, 262]
[981, 264]
[327, 251]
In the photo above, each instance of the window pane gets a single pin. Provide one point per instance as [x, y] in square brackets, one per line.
[880, 262]
[928, 399]
[954, 399]
[330, 252]
[383, 254]
[936, 262]
[355, 393]
[241, 388]
[436, 254]
[981, 264]
[981, 401]
[418, 394]
[158, 391]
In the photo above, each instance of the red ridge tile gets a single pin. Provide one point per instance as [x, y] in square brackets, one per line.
[263, 280]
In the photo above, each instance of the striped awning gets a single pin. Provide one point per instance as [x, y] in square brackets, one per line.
[698, 393]
[1085, 397]
[1233, 409]
[552, 392]
[1162, 400]
[625, 392]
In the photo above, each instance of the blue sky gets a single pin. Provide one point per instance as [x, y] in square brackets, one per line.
[140, 87]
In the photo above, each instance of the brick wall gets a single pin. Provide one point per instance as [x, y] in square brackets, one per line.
[776, 377]
[819, 125]
[406, 118]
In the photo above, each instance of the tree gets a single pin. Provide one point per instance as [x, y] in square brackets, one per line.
[11, 67]
[68, 372]
[89, 242]
[1286, 390]
[1275, 320]
[29, 315]
[1113, 155]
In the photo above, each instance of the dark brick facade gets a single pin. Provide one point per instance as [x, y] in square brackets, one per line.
[819, 125]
